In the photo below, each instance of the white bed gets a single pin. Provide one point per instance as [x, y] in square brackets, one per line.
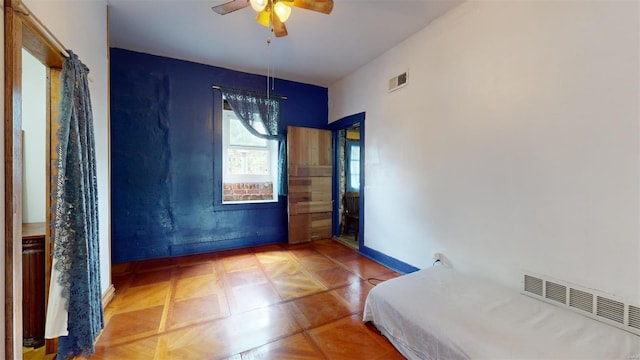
[438, 313]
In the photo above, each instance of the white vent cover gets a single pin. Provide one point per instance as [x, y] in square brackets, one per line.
[556, 292]
[610, 309]
[398, 81]
[588, 302]
[533, 285]
[634, 317]
[581, 300]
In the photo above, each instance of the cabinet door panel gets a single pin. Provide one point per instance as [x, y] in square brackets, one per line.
[310, 172]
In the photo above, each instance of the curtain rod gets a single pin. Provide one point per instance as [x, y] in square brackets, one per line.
[38, 26]
[218, 87]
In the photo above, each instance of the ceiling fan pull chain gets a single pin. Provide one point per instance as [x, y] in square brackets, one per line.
[268, 73]
[272, 71]
[272, 31]
[268, 63]
[269, 46]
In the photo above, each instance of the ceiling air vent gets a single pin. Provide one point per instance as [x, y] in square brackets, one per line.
[610, 309]
[634, 316]
[399, 81]
[581, 300]
[533, 285]
[556, 292]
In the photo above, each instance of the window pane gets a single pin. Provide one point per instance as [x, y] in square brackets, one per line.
[355, 152]
[235, 161]
[240, 136]
[258, 162]
[353, 166]
[248, 162]
[355, 182]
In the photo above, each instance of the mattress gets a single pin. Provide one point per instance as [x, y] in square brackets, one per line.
[438, 313]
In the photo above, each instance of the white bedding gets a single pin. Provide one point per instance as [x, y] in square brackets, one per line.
[438, 313]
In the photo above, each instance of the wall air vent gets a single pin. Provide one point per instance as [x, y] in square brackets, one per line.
[556, 292]
[399, 81]
[634, 316]
[591, 303]
[581, 300]
[533, 285]
[610, 309]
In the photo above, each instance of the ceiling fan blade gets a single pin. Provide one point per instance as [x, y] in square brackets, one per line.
[230, 6]
[279, 28]
[321, 6]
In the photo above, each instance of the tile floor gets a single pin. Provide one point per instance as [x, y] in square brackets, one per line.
[271, 302]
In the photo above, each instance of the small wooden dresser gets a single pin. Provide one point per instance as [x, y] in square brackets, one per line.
[33, 284]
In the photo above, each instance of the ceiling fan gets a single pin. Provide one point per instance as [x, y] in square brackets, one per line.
[275, 12]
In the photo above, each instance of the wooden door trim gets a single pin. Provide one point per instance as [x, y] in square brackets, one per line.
[13, 184]
[22, 29]
[36, 38]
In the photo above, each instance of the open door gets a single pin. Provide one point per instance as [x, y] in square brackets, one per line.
[54, 96]
[310, 172]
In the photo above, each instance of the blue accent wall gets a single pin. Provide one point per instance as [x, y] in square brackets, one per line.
[166, 157]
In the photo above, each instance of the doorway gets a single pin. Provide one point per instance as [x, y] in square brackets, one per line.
[348, 183]
[23, 30]
[34, 201]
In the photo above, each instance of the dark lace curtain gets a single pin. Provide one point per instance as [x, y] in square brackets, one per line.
[75, 235]
[252, 108]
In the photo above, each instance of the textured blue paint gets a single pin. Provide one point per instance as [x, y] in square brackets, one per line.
[166, 158]
[388, 261]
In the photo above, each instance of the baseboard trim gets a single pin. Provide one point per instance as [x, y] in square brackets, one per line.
[108, 296]
[388, 261]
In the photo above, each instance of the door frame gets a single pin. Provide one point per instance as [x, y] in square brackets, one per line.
[22, 30]
[335, 127]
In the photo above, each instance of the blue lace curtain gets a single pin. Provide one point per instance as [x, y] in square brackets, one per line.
[75, 233]
[251, 107]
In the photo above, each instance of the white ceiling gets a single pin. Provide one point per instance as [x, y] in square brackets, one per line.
[320, 49]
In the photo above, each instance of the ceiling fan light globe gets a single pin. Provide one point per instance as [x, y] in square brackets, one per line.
[282, 11]
[258, 5]
[263, 18]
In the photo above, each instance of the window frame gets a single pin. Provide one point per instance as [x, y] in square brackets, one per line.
[349, 150]
[271, 148]
[219, 167]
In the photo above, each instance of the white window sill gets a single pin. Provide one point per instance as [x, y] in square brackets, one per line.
[249, 202]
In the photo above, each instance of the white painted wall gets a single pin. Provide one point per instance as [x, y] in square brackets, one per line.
[514, 146]
[34, 150]
[82, 27]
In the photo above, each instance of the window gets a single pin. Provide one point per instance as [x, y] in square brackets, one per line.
[250, 164]
[353, 166]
